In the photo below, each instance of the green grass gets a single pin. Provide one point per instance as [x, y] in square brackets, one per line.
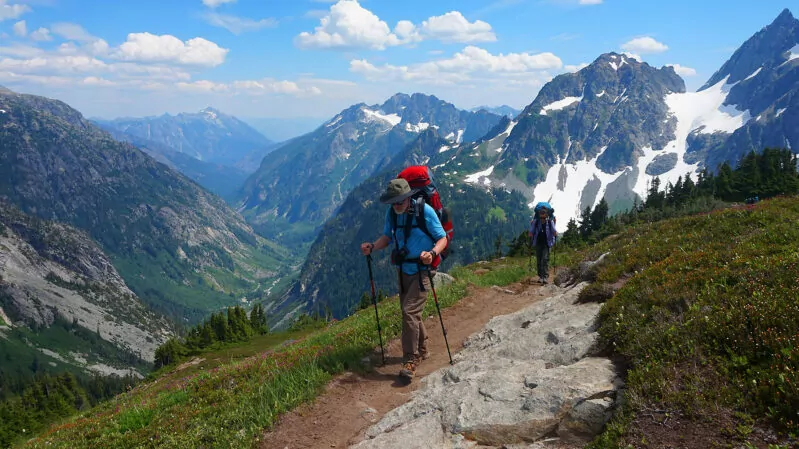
[708, 317]
[237, 392]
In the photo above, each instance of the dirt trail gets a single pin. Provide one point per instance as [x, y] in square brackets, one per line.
[352, 403]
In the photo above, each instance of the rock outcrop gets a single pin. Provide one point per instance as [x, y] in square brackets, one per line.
[525, 378]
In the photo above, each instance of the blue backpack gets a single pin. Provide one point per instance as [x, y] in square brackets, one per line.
[547, 206]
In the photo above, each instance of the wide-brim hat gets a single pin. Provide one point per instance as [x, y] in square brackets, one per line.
[396, 191]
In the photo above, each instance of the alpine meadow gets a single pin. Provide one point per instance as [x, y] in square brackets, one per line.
[342, 223]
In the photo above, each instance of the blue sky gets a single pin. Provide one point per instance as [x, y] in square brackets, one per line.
[312, 58]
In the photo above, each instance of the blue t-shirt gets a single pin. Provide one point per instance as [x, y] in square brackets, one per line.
[418, 241]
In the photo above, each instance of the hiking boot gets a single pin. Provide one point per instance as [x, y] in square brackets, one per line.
[409, 368]
[544, 281]
[424, 355]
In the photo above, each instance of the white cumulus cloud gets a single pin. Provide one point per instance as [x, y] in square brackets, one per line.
[462, 66]
[147, 47]
[53, 64]
[41, 34]
[9, 11]
[453, 27]
[20, 29]
[268, 85]
[644, 45]
[349, 25]
[682, 70]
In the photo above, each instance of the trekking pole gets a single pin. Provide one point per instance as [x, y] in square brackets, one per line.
[374, 301]
[554, 262]
[435, 297]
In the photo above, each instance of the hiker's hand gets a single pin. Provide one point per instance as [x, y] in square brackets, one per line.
[426, 257]
[366, 248]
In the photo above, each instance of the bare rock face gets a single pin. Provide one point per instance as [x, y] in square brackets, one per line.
[525, 377]
[49, 269]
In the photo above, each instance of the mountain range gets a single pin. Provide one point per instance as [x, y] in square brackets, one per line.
[302, 183]
[143, 233]
[498, 110]
[215, 149]
[604, 131]
[608, 129]
[121, 222]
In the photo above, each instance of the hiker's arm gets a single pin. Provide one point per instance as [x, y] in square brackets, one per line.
[427, 257]
[380, 243]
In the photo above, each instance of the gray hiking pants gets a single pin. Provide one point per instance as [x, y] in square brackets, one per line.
[542, 258]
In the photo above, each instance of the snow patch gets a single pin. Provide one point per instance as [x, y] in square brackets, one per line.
[620, 95]
[568, 198]
[704, 112]
[475, 177]
[459, 139]
[335, 120]
[450, 136]
[707, 109]
[614, 65]
[2, 111]
[392, 119]
[794, 53]
[601, 94]
[419, 127]
[754, 74]
[779, 112]
[560, 104]
[444, 148]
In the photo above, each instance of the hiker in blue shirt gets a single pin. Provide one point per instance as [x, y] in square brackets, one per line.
[414, 252]
[543, 234]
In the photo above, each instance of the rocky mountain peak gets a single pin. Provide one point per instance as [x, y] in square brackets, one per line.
[771, 47]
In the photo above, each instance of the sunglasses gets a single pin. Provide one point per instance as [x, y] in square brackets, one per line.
[399, 203]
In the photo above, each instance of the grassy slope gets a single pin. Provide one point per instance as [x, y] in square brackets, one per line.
[227, 400]
[707, 319]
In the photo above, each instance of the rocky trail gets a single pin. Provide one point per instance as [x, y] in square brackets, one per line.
[523, 377]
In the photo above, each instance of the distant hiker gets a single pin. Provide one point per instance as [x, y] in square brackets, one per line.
[414, 251]
[542, 234]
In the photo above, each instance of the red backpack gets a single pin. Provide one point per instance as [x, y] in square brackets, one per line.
[419, 177]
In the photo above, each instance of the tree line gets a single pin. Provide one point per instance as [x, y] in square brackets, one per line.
[51, 397]
[757, 176]
[230, 326]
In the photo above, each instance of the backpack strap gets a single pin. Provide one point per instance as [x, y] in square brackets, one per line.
[394, 228]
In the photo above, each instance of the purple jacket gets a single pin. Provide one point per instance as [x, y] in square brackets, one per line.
[535, 228]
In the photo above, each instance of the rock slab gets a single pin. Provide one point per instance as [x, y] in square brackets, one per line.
[525, 378]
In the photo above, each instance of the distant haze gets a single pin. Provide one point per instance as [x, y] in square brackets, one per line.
[282, 129]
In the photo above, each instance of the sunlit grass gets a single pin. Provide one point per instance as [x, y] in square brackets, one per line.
[709, 316]
[230, 397]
